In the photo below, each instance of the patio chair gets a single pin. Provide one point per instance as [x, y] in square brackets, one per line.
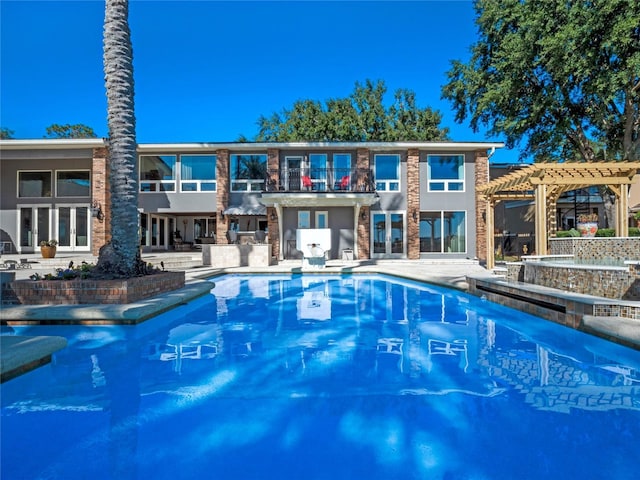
[306, 182]
[233, 236]
[344, 183]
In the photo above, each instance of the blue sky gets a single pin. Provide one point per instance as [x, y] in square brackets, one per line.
[206, 70]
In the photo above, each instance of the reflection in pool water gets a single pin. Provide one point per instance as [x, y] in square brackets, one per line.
[326, 376]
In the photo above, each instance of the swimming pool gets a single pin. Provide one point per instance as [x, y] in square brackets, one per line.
[326, 377]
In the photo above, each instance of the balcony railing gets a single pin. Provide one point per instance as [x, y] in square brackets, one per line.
[320, 180]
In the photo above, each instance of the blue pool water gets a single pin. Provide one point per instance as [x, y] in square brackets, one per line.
[326, 377]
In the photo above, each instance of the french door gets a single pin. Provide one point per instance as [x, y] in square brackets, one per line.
[70, 225]
[388, 235]
[34, 226]
[73, 226]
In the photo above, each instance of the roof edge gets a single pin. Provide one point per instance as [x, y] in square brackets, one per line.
[467, 146]
[52, 143]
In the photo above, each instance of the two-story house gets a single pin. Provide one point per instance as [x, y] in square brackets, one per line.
[379, 199]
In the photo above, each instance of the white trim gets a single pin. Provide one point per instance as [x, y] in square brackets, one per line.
[52, 143]
[378, 146]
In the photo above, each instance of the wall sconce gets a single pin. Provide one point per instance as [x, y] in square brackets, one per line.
[222, 215]
[415, 215]
[96, 211]
[363, 215]
[273, 217]
[484, 217]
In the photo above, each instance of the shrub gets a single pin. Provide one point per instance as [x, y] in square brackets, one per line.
[567, 233]
[606, 232]
[49, 243]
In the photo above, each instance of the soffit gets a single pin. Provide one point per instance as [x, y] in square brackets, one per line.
[318, 199]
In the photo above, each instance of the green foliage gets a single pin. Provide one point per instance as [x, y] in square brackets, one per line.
[81, 271]
[606, 232]
[49, 243]
[567, 233]
[560, 74]
[70, 131]
[362, 116]
[5, 133]
[634, 232]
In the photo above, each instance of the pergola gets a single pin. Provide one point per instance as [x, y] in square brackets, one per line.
[545, 182]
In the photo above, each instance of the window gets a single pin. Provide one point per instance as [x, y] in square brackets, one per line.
[34, 184]
[445, 173]
[318, 171]
[387, 172]
[304, 219]
[198, 173]
[443, 232]
[322, 219]
[73, 184]
[248, 172]
[157, 173]
[341, 171]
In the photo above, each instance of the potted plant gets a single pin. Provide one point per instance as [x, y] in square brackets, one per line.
[636, 217]
[588, 224]
[48, 248]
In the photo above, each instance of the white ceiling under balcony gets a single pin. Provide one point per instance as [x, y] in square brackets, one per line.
[318, 199]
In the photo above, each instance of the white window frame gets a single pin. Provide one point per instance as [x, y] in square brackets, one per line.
[446, 183]
[387, 185]
[197, 182]
[252, 185]
[158, 185]
[320, 214]
[443, 246]
[304, 222]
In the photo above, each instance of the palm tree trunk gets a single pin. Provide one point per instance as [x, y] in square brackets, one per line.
[122, 255]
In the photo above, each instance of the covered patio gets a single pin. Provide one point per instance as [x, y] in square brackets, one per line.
[545, 182]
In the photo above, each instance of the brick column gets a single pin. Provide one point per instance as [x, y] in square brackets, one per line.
[100, 229]
[273, 177]
[222, 195]
[363, 162]
[481, 178]
[413, 204]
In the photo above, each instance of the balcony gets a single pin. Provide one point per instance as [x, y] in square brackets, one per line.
[320, 180]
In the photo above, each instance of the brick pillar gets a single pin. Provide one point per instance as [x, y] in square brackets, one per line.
[481, 178]
[363, 163]
[100, 194]
[273, 177]
[413, 204]
[222, 195]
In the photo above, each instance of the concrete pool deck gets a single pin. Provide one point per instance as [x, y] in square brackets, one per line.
[16, 359]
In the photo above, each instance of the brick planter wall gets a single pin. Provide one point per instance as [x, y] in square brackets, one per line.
[74, 292]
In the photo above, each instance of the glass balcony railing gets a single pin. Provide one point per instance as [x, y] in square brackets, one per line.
[320, 180]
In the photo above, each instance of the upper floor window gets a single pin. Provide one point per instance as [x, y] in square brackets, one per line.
[318, 171]
[387, 172]
[198, 173]
[157, 173]
[73, 183]
[341, 171]
[248, 172]
[34, 184]
[445, 173]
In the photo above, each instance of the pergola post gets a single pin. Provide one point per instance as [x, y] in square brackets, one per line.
[541, 219]
[491, 261]
[622, 207]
